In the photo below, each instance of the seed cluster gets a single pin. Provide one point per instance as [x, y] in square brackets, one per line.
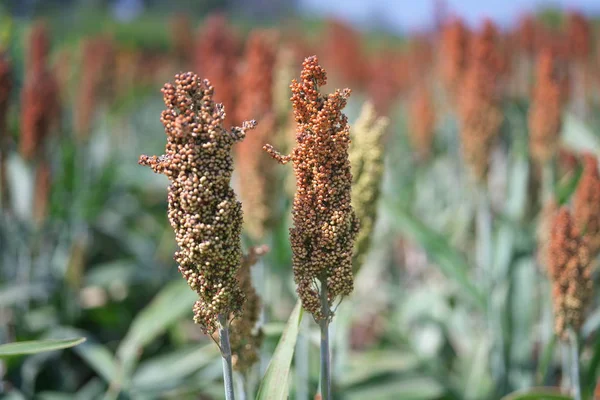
[545, 112]
[366, 160]
[39, 97]
[479, 109]
[245, 337]
[98, 66]
[216, 55]
[570, 271]
[586, 204]
[422, 122]
[454, 54]
[6, 86]
[258, 178]
[203, 209]
[325, 224]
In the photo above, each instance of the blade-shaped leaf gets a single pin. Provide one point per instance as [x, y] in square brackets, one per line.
[37, 346]
[448, 259]
[172, 303]
[538, 394]
[169, 369]
[274, 383]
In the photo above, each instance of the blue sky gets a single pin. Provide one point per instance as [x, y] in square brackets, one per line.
[414, 15]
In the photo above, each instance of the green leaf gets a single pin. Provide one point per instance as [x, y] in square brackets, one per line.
[274, 383]
[448, 259]
[170, 369]
[379, 363]
[37, 346]
[538, 394]
[546, 360]
[95, 354]
[417, 388]
[578, 136]
[173, 303]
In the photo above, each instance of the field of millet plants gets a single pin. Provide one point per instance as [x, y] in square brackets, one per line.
[330, 214]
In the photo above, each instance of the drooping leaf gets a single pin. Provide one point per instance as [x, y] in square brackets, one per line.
[274, 385]
[37, 346]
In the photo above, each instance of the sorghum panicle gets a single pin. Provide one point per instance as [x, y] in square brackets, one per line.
[203, 209]
[422, 122]
[245, 336]
[569, 267]
[545, 111]
[6, 86]
[586, 203]
[387, 71]
[97, 73]
[39, 96]
[343, 49]
[43, 182]
[454, 55]
[479, 110]
[579, 36]
[526, 35]
[182, 38]
[366, 161]
[325, 224]
[258, 179]
[38, 45]
[217, 49]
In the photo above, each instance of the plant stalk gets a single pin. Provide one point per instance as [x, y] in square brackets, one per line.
[226, 354]
[325, 360]
[575, 383]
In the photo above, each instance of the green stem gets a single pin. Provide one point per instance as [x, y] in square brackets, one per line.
[575, 383]
[325, 360]
[226, 355]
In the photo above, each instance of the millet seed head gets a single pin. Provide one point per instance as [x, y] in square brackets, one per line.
[325, 225]
[569, 267]
[203, 209]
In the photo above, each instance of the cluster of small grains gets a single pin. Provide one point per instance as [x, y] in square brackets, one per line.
[216, 57]
[579, 36]
[245, 337]
[586, 204]
[39, 97]
[454, 55]
[325, 225]
[569, 267]
[203, 209]
[422, 122]
[343, 51]
[545, 111]
[6, 86]
[98, 63]
[257, 181]
[387, 75]
[182, 39]
[366, 161]
[479, 110]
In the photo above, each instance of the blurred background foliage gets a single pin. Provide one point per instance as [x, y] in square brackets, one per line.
[88, 251]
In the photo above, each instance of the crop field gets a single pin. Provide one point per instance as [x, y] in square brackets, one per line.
[197, 204]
